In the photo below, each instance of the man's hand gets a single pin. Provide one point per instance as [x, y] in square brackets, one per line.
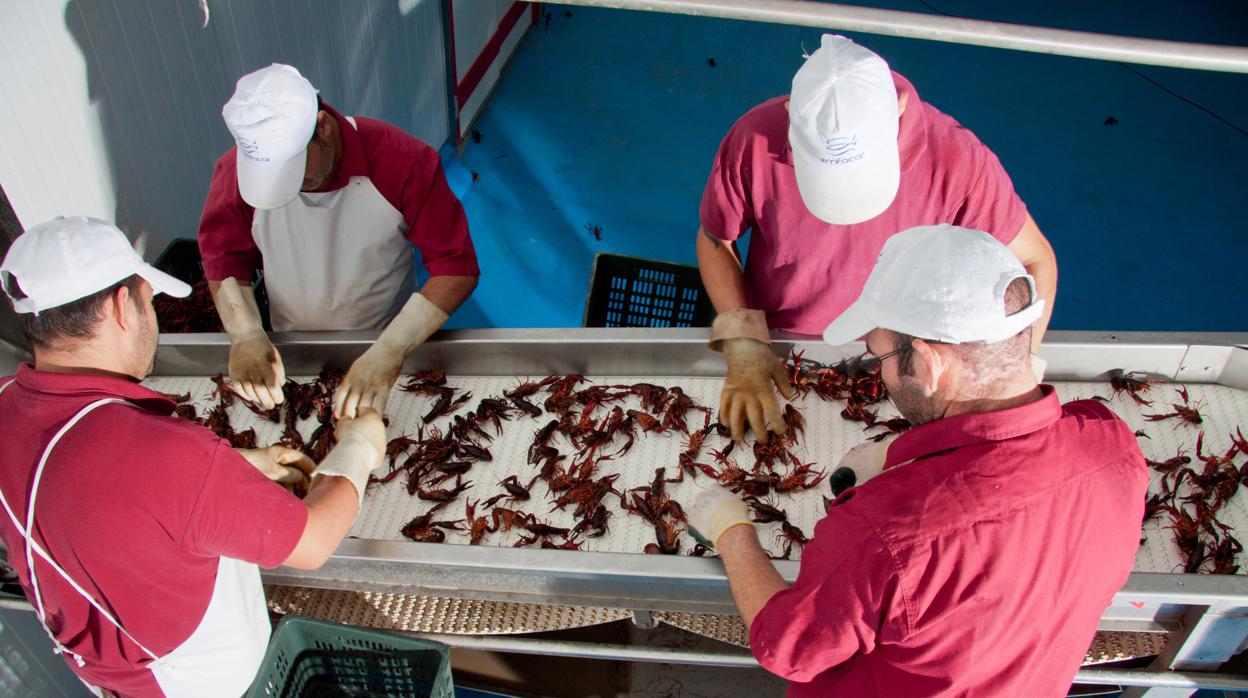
[754, 374]
[360, 448]
[714, 511]
[368, 382]
[280, 464]
[741, 334]
[256, 371]
[255, 367]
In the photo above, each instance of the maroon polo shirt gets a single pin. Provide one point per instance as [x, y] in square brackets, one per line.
[137, 505]
[979, 568]
[804, 272]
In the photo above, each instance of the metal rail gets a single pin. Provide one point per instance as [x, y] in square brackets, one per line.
[915, 25]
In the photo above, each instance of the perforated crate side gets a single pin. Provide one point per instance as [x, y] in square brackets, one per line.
[307, 657]
[635, 292]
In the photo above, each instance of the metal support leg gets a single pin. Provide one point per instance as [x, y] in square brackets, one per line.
[1207, 638]
[644, 620]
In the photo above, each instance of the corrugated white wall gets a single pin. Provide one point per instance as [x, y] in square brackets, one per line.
[112, 108]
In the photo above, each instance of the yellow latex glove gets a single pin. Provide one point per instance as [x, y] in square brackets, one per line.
[714, 511]
[753, 375]
[361, 445]
[256, 371]
[279, 463]
[371, 377]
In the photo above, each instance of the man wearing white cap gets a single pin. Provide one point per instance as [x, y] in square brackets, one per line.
[822, 177]
[982, 557]
[137, 534]
[333, 205]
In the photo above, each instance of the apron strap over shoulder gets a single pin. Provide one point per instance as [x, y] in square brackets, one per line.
[34, 548]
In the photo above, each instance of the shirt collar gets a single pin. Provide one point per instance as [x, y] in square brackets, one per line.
[970, 429]
[353, 163]
[92, 386]
[911, 130]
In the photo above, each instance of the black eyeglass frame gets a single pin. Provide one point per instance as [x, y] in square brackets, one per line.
[867, 364]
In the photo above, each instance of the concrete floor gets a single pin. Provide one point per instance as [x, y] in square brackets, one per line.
[610, 119]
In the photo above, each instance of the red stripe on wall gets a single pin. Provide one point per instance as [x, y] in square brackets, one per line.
[492, 47]
[450, 18]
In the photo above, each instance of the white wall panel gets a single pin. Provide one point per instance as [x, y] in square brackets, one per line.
[112, 108]
[476, 23]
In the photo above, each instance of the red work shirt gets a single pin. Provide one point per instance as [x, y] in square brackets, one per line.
[136, 505]
[804, 272]
[981, 568]
[406, 172]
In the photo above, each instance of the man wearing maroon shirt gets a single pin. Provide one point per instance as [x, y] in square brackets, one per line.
[136, 534]
[979, 561]
[333, 204]
[822, 177]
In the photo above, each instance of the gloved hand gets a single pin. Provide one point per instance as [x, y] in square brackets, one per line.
[866, 459]
[714, 511]
[372, 375]
[361, 445]
[280, 464]
[1038, 367]
[256, 371]
[753, 370]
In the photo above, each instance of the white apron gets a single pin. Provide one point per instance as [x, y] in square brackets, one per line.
[337, 260]
[220, 658]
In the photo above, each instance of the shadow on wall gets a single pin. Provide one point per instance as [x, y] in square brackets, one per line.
[158, 79]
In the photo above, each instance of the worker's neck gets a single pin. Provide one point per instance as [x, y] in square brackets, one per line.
[88, 359]
[335, 137]
[1003, 396]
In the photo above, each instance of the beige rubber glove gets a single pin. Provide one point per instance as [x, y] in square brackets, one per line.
[361, 445]
[714, 511]
[1038, 367]
[279, 463]
[754, 373]
[372, 375]
[256, 370]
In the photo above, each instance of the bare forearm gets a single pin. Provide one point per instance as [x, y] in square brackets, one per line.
[1036, 254]
[1045, 274]
[751, 576]
[448, 292]
[332, 507]
[720, 267]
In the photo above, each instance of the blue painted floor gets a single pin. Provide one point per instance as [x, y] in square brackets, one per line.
[609, 118]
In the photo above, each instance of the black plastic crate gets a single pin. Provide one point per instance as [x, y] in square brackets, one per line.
[636, 292]
[181, 259]
[310, 658]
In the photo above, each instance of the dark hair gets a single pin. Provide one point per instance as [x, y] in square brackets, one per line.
[987, 362]
[76, 320]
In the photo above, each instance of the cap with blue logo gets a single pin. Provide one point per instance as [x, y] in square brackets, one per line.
[843, 124]
[272, 116]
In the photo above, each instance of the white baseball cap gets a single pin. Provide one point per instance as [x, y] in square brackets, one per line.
[65, 259]
[272, 116]
[843, 124]
[939, 282]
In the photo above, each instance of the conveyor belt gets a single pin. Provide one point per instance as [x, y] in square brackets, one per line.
[388, 507]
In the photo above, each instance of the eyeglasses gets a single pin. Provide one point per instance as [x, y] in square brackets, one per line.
[866, 363]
